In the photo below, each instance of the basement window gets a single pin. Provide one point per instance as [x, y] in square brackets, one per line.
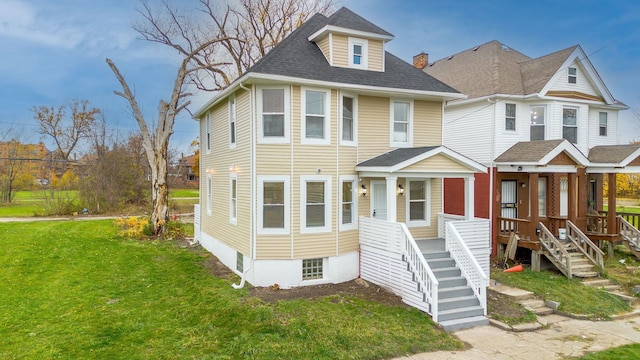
[239, 261]
[312, 269]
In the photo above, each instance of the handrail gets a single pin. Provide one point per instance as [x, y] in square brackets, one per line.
[558, 254]
[468, 264]
[585, 245]
[506, 226]
[419, 266]
[445, 218]
[627, 231]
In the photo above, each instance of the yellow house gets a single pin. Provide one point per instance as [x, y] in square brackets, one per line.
[324, 163]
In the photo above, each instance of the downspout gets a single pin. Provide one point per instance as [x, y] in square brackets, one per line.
[252, 228]
[491, 172]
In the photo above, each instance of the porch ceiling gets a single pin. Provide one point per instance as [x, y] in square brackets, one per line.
[427, 161]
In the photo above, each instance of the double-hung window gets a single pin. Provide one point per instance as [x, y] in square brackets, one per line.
[418, 203]
[542, 197]
[572, 75]
[273, 104]
[232, 121]
[358, 49]
[510, 117]
[570, 124]
[602, 119]
[233, 200]
[537, 127]
[315, 204]
[401, 123]
[349, 121]
[315, 117]
[348, 202]
[273, 197]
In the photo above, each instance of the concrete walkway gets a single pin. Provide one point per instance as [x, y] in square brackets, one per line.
[563, 337]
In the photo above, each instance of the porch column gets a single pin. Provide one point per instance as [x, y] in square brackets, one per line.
[392, 184]
[611, 212]
[572, 198]
[469, 198]
[582, 200]
[534, 216]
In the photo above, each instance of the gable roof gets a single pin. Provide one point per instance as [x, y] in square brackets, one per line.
[298, 60]
[614, 154]
[496, 69]
[540, 153]
[347, 19]
[400, 158]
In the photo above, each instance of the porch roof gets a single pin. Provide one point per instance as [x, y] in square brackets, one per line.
[543, 153]
[421, 161]
[614, 158]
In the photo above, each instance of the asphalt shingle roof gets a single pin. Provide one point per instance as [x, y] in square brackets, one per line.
[397, 156]
[296, 56]
[347, 19]
[528, 151]
[607, 154]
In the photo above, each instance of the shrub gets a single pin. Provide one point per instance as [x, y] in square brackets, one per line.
[133, 226]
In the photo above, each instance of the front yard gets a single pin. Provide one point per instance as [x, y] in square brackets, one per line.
[77, 290]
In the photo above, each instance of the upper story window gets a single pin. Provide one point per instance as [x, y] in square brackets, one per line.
[537, 127]
[232, 121]
[349, 121]
[274, 115]
[570, 124]
[510, 117]
[273, 197]
[315, 204]
[315, 114]
[208, 132]
[358, 50]
[603, 123]
[572, 75]
[401, 123]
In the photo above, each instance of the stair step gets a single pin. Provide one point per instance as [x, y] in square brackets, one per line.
[457, 302]
[441, 263]
[454, 291]
[452, 281]
[586, 274]
[446, 272]
[463, 323]
[537, 307]
[460, 313]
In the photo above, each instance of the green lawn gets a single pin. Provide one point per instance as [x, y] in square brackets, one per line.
[75, 290]
[184, 193]
[625, 352]
[573, 296]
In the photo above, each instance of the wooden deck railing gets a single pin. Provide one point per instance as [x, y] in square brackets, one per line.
[585, 245]
[632, 218]
[555, 251]
[556, 222]
[629, 232]
[506, 226]
[597, 224]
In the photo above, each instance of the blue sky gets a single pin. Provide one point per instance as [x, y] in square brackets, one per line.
[54, 51]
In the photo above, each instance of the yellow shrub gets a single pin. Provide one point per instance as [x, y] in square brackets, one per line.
[132, 226]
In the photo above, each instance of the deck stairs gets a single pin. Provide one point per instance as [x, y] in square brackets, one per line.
[575, 255]
[458, 307]
[630, 236]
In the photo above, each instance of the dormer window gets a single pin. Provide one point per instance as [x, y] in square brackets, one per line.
[572, 75]
[358, 49]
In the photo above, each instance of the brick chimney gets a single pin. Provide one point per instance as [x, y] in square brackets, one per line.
[421, 60]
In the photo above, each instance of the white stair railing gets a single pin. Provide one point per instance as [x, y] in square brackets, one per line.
[469, 266]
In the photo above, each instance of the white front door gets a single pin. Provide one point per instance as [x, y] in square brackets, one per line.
[379, 200]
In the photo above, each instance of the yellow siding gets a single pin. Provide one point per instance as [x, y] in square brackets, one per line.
[373, 126]
[427, 123]
[376, 54]
[437, 162]
[436, 207]
[340, 50]
[271, 247]
[218, 224]
[323, 44]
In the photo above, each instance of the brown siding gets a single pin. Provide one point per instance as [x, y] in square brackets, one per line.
[562, 159]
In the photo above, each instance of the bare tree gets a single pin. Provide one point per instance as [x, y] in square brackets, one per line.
[217, 43]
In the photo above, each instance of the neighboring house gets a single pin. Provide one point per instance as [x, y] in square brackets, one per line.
[28, 159]
[185, 170]
[538, 124]
[324, 162]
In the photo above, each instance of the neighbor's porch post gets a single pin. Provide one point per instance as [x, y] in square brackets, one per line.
[392, 212]
[469, 198]
[534, 215]
[611, 211]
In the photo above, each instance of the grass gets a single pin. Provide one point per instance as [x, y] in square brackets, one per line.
[573, 297]
[76, 290]
[184, 193]
[623, 268]
[625, 352]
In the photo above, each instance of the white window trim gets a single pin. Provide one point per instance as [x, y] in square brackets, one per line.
[233, 217]
[287, 118]
[427, 203]
[327, 204]
[287, 213]
[209, 194]
[233, 122]
[353, 179]
[606, 126]
[545, 120]
[571, 126]
[365, 52]
[515, 118]
[409, 142]
[303, 117]
[207, 132]
[569, 76]
[353, 142]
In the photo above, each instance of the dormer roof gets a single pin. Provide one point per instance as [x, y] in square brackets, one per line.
[345, 21]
